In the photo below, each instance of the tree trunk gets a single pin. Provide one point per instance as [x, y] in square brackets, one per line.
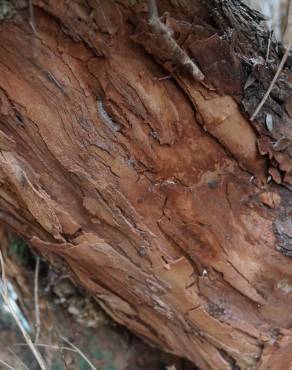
[67, 312]
[153, 187]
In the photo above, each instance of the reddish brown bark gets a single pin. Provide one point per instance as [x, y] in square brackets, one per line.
[153, 191]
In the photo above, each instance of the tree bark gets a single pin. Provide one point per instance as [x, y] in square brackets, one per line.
[65, 311]
[155, 188]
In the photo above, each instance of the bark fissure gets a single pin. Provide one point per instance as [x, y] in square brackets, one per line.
[143, 186]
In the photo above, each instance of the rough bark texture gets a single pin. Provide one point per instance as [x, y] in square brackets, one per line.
[154, 191]
[68, 311]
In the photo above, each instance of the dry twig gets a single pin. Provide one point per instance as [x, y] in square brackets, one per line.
[79, 352]
[4, 294]
[269, 45]
[36, 301]
[281, 65]
[31, 17]
[7, 365]
[50, 346]
[18, 359]
[179, 56]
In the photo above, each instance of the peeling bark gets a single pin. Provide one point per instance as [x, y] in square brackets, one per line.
[154, 191]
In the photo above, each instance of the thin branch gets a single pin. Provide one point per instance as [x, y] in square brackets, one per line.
[51, 346]
[281, 65]
[7, 365]
[269, 45]
[31, 17]
[27, 338]
[36, 301]
[4, 284]
[179, 56]
[62, 353]
[18, 359]
[80, 353]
